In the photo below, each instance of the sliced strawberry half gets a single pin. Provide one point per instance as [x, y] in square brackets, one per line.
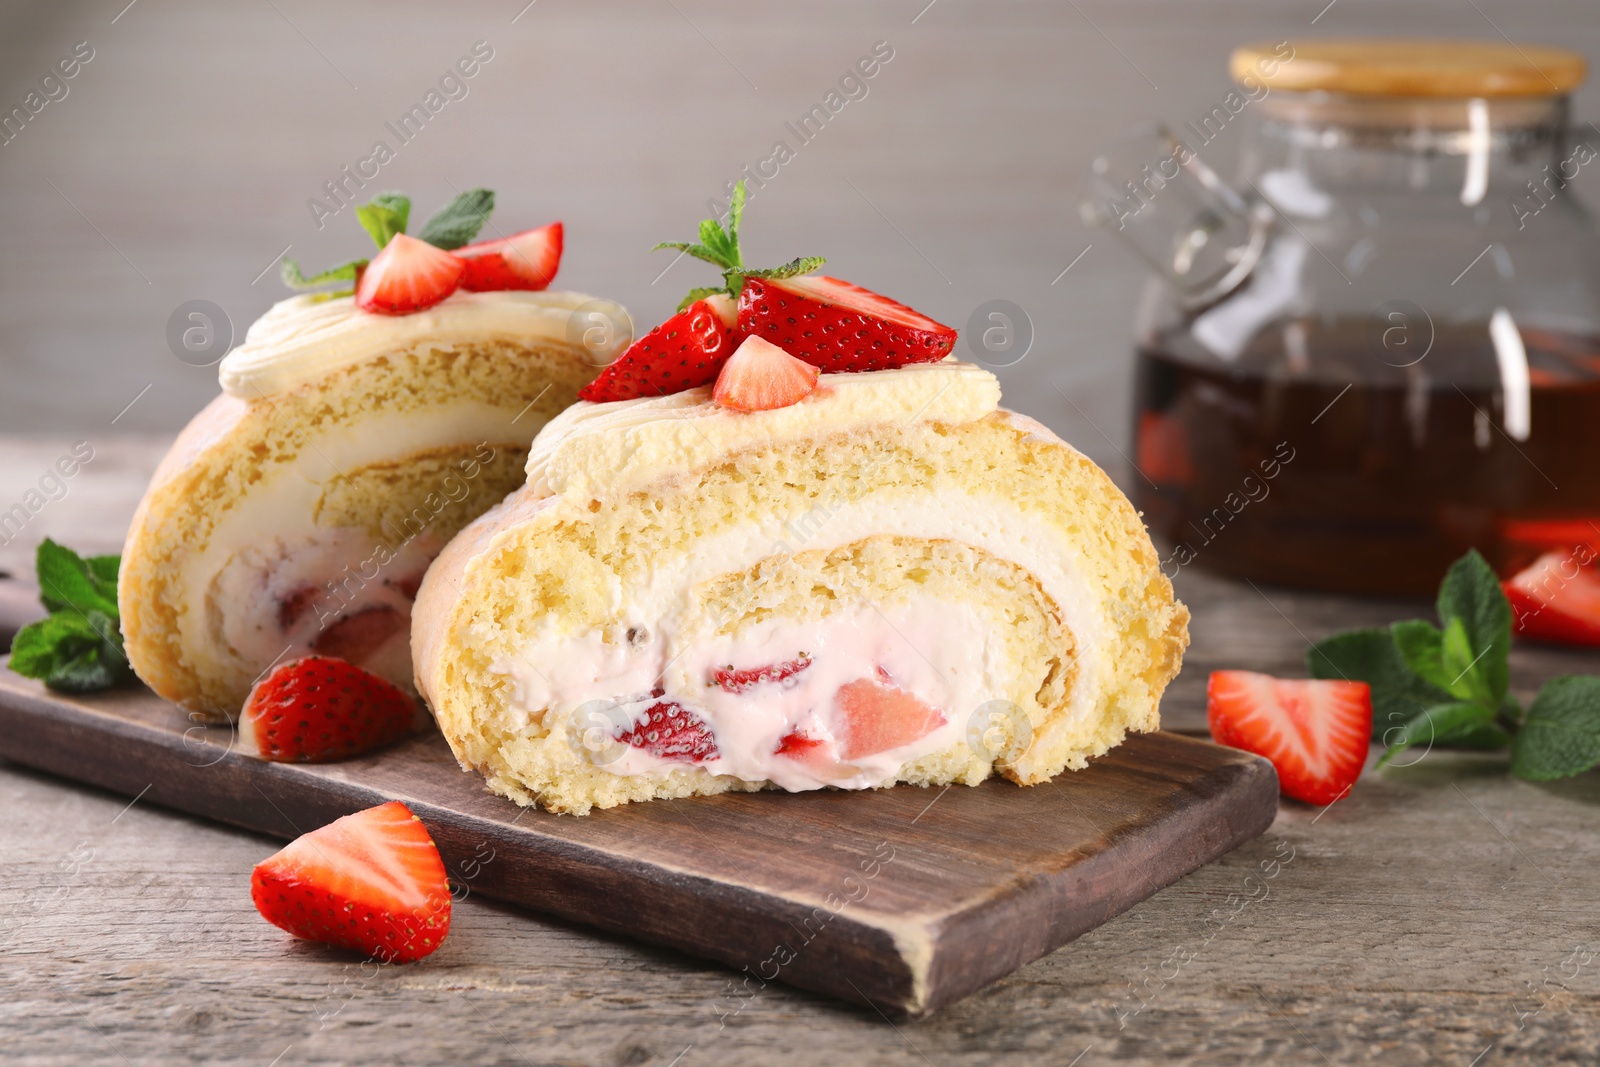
[839, 327]
[875, 716]
[318, 709]
[671, 731]
[738, 681]
[686, 351]
[1557, 598]
[1315, 732]
[760, 376]
[408, 275]
[526, 260]
[372, 882]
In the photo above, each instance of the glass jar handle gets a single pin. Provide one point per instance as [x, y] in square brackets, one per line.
[1173, 211]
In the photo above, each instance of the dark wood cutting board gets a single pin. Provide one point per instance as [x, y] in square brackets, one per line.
[905, 899]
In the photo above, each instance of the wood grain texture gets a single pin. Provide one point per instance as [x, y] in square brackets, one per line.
[906, 900]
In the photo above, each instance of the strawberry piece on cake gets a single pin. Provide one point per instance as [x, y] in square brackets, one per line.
[838, 326]
[686, 351]
[408, 275]
[760, 376]
[319, 709]
[372, 882]
[527, 260]
[1315, 732]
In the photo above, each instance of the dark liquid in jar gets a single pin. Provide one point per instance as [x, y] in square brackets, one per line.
[1315, 460]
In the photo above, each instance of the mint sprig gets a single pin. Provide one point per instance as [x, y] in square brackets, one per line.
[387, 214]
[78, 647]
[719, 246]
[1448, 685]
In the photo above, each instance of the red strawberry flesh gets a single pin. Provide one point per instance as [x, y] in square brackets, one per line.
[670, 731]
[372, 882]
[876, 717]
[527, 260]
[840, 327]
[356, 636]
[318, 709]
[760, 376]
[1557, 598]
[686, 351]
[408, 275]
[738, 681]
[1316, 732]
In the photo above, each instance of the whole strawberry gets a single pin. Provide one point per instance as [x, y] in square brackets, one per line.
[319, 709]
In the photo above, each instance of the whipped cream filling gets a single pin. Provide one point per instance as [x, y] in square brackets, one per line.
[554, 675]
[306, 337]
[268, 546]
[593, 447]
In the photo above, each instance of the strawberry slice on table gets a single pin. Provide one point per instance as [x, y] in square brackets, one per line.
[1315, 732]
[760, 376]
[876, 716]
[318, 709]
[740, 680]
[838, 326]
[672, 732]
[372, 882]
[1557, 598]
[686, 351]
[408, 275]
[527, 260]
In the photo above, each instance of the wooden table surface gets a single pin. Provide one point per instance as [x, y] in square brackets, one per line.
[1441, 913]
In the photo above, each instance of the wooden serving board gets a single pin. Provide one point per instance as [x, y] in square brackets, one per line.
[904, 899]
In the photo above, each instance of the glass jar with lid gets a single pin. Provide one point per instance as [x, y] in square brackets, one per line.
[1380, 345]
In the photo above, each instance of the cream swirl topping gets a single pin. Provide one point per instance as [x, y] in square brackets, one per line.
[628, 442]
[303, 338]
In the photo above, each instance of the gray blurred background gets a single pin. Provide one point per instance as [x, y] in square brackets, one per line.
[179, 164]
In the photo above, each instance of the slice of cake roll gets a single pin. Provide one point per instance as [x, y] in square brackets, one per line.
[297, 513]
[890, 580]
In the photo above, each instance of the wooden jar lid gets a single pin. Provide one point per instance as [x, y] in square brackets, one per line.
[1420, 67]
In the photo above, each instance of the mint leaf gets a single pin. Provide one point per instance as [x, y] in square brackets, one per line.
[344, 272]
[791, 269]
[718, 243]
[699, 294]
[1442, 724]
[65, 581]
[1371, 656]
[1472, 593]
[1421, 646]
[459, 221]
[104, 569]
[1561, 735]
[698, 251]
[71, 652]
[384, 216]
[735, 216]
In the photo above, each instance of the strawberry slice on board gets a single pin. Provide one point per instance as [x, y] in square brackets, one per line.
[1557, 598]
[838, 326]
[408, 275]
[1315, 731]
[671, 731]
[760, 376]
[319, 709]
[876, 716]
[686, 351]
[372, 882]
[527, 260]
